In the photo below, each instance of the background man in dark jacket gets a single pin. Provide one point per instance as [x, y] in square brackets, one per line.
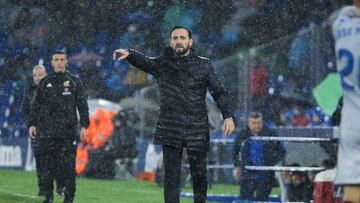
[54, 121]
[122, 143]
[39, 72]
[256, 153]
[183, 78]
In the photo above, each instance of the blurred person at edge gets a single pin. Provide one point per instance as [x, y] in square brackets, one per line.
[122, 143]
[39, 72]
[54, 122]
[256, 185]
[345, 32]
[183, 78]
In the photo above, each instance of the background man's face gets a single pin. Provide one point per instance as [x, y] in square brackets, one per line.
[59, 62]
[38, 74]
[180, 41]
[255, 125]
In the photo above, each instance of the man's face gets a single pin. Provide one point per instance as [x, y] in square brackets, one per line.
[38, 74]
[59, 62]
[180, 42]
[255, 125]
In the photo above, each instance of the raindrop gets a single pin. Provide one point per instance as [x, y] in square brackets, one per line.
[271, 90]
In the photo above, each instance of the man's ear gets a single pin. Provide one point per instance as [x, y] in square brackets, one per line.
[191, 42]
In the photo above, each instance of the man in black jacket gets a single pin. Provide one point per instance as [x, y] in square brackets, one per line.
[183, 78]
[39, 72]
[54, 121]
[256, 153]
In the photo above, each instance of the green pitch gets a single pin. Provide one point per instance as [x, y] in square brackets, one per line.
[20, 186]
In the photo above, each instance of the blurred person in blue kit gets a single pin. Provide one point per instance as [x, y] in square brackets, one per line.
[183, 78]
[39, 72]
[54, 123]
[256, 185]
[345, 29]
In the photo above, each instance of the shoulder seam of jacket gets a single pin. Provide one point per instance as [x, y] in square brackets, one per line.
[44, 80]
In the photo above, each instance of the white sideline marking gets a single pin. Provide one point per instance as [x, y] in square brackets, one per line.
[19, 194]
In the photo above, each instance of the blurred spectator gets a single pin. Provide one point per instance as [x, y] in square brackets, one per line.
[90, 74]
[40, 23]
[286, 181]
[324, 187]
[187, 15]
[7, 9]
[135, 79]
[122, 144]
[22, 29]
[300, 118]
[120, 148]
[259, 85]
[316, 118]
[256, 185]
[300, 188]
[311, 174]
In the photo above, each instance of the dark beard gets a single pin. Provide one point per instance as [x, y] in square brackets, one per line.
[181, 53]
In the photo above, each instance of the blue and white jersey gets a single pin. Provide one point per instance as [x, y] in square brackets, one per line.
[346, 32]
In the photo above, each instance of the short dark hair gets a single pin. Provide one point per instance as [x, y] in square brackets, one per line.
[327, 163]
[255, 114]
[59, 52]
[181, 27]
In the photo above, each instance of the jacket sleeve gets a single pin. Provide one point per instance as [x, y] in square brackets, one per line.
[236, 151]
[26, 105]
[142, 62]
[35, 107]
[82, 105]
[219, 93]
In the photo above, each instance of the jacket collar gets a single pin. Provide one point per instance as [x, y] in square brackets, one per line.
[169, 53]
[61, 74]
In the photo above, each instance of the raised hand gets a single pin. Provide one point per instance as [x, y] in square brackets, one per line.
[120, 54]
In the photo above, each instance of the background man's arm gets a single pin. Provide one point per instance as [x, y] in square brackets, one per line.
[35, 110]
[83, 108]
[26, 105]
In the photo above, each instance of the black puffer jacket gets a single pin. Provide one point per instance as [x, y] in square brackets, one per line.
[183, 83]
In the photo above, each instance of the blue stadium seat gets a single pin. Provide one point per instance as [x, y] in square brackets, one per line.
[74, 68]
[100, 43]
[3, 44]
[78, 48]
[57, 47]
[20, 50]
[40, 53]
[4, 132]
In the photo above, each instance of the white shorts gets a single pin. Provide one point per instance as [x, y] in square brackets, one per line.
[348, 166]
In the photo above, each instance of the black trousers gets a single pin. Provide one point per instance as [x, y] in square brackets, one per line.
[57, 160]
[37, 152]
[262, 188]
[37, 155]
[172, 163]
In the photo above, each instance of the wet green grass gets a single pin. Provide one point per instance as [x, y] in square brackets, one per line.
[20, 186]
